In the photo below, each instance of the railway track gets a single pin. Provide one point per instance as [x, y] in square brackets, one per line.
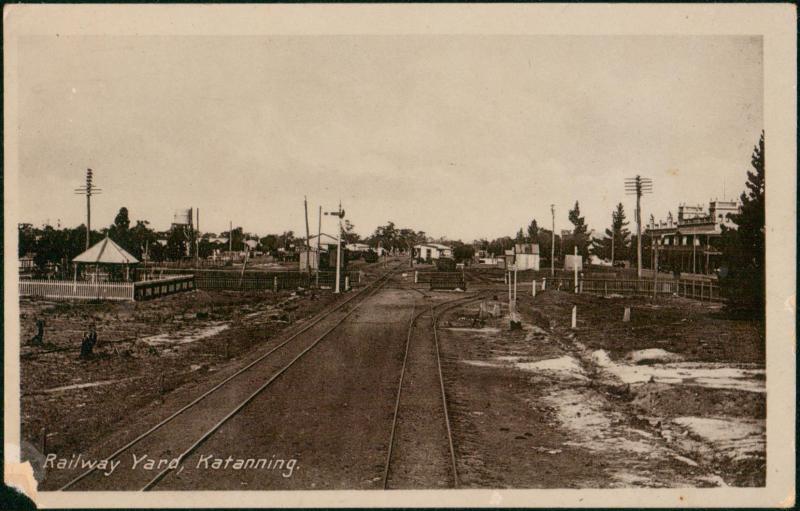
[411, 459]
[364, 294]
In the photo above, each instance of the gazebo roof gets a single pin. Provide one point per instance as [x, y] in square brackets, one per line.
[105, 252]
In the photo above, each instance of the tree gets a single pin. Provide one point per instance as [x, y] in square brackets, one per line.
[119, 230]
[269, 243]
[347, 233]
[579, 236]
[177, 244]
[616, 242]
[742, 272]
[463, 252]
[533, 232]
[285, 240]
[141, 239]
[520, 236]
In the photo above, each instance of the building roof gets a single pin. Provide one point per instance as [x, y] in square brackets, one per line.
[105, 252]
[324, 238]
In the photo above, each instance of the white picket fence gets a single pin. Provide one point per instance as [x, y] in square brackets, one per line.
[67, 289]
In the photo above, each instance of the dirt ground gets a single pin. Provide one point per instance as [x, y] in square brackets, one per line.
[147, 351]
[673, 398]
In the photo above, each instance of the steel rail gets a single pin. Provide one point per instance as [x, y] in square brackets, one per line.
[378, 282]
[414, 319]
[435, 319]
[266, 384]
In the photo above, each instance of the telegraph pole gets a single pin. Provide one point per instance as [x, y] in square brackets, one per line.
[638, 186]
[319, 236]
[553, 242]
[88, 190]
[308, 243]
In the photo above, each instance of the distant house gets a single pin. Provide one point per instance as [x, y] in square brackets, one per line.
[324, 241]
[526, 256]
[26, 264]
[432, 251]
[357, 247]
[327, 253]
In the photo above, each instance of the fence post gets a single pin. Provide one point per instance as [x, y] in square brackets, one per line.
[416, 276]
[347, 283]
[701, 290]
[605, 288]
[533, 288]
[544, 283]
[275, 284]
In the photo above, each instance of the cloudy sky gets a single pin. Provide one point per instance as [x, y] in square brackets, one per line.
[459, 136]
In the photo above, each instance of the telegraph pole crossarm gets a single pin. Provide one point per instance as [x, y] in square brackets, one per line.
[88, 191]
[638, 186]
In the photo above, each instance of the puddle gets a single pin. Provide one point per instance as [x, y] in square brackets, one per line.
[484, 330]
[738, 439]
[630, 453]
[653, 355]
[565, 365]
[197, 335]
[718, 376]
[482, 363]
[84, 385]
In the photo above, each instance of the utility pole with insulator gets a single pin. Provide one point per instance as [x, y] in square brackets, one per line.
[638, 186]
[88, 190]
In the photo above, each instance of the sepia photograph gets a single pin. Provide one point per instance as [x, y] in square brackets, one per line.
[363, 254]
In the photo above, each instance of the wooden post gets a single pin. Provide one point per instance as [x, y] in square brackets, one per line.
[308, 235]
[605, 288]
[275, 284]
[702, 284]
[515, 287]
[655, 268]
[575, 267]
[44, 439]
[626, 316]
[574, 317]
[544, 283]
[533, 288]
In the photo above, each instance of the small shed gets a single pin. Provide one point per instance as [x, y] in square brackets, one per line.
[106, 252]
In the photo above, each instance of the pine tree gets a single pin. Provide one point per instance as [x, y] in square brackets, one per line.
[742, 273]
[618, 250]
[533, 231]
[579, 236]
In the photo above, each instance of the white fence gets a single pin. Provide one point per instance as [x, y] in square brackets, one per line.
[76, 290]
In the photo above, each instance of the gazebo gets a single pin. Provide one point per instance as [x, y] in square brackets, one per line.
[105, 252]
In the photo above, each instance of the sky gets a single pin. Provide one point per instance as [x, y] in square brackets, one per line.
[460, 136]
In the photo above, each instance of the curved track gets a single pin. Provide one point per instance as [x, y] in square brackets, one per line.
[442, 408]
